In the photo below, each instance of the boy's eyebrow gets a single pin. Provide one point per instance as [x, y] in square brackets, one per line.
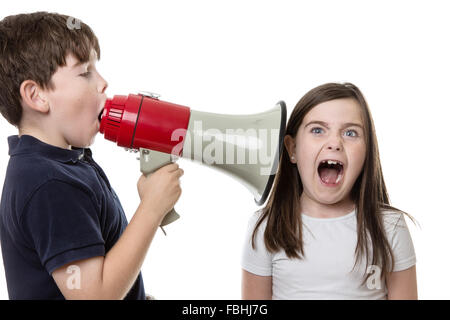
[345, 125]
[79, 63]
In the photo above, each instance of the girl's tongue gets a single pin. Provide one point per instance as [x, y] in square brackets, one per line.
[330, 173]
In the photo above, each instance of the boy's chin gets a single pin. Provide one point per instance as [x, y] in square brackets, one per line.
[91, 141]
[84, 143]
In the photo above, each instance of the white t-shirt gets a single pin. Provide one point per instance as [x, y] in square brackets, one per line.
[325, 272]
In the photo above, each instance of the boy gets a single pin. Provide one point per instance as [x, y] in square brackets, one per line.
[63, 231]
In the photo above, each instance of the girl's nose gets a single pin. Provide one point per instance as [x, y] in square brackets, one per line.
[337, 148]
[334, 143]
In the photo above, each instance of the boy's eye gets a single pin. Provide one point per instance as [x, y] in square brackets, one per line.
[86, 74]
[351, 133]
[316, 130]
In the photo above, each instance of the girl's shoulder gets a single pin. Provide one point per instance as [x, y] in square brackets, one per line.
[393, 219]
[256, 216]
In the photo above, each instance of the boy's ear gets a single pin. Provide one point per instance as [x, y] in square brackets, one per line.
[33, 96]
[289, 143]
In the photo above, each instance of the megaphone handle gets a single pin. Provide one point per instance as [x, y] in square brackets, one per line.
[170, 217]
[150, 161]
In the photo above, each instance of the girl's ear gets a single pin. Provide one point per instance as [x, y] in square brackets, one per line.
[33, 97]
[289, 143]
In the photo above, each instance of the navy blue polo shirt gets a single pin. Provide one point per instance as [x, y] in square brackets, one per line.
[57, 207]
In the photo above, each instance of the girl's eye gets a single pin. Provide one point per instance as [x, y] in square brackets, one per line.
[353, 133]
[316, 130]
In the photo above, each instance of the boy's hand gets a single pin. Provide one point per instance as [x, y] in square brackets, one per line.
[160, 190]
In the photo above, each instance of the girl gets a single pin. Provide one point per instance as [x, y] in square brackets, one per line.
[328, 231]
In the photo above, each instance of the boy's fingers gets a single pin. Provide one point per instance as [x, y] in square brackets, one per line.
[177, 173]
[171, 167]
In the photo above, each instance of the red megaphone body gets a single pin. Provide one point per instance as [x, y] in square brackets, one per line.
[123, 122]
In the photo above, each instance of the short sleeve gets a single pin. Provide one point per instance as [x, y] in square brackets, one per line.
[400, 240]
[62, 224]
[257, 261]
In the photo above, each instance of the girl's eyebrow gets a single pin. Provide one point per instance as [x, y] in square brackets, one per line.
[345, 125]
[352, 124]
[317, 122]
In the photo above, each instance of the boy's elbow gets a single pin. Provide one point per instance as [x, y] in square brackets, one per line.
[94, 291]
[83, 280]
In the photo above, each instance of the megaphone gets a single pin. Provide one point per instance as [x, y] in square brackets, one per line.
[246, 147]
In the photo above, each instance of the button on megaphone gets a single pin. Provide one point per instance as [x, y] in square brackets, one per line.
[246, 147]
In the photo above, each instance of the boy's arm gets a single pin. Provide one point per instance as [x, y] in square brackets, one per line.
[112, 276]
[402, 285]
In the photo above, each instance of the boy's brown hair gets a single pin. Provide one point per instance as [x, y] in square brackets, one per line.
[32, 47]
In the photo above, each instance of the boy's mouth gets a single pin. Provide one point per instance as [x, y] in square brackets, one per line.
[100, 115]
[331, 172]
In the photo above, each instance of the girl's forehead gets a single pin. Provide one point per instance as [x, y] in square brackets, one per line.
[346, 110]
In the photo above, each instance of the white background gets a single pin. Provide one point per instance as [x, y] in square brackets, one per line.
[241, 57]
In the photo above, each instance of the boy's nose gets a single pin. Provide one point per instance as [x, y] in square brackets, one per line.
[102, 85]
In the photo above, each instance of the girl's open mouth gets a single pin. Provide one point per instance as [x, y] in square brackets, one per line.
[331, 172]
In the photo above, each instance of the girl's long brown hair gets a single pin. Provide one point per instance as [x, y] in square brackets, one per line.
[284, 221]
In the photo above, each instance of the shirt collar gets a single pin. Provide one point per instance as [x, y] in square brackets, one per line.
[27, 144]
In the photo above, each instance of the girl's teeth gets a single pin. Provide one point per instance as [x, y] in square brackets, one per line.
[339, 178]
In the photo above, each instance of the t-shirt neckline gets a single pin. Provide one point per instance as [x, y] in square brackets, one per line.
[344, 217]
